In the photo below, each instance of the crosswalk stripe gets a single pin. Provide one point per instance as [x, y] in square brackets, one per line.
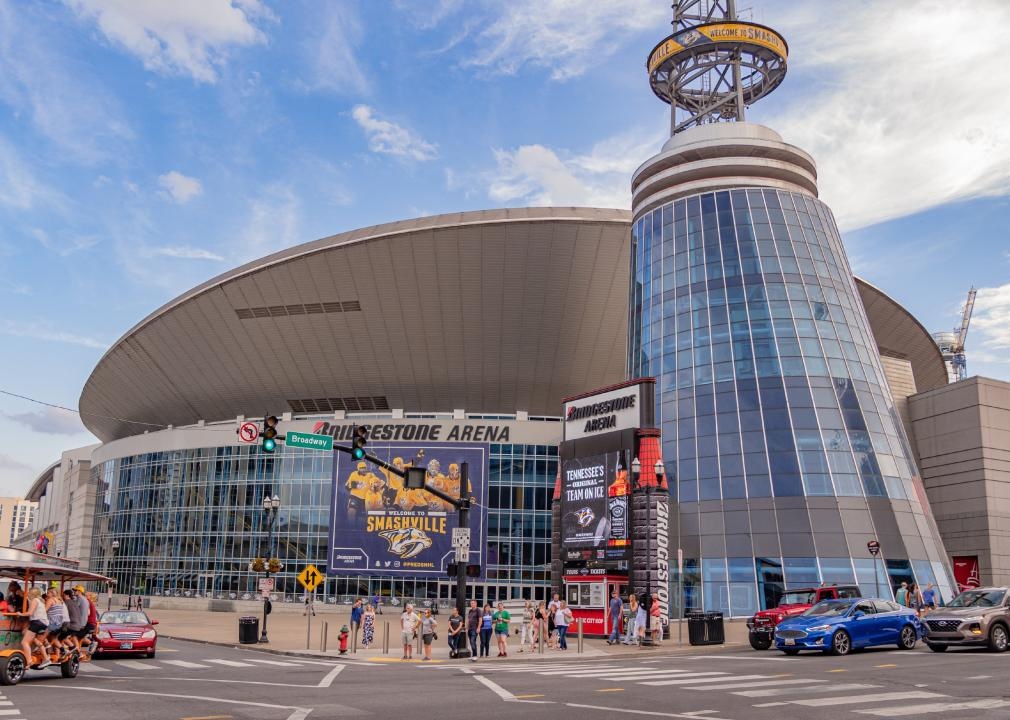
[183, 664]
[280, 663]
[10, 712]
[135, 665]
[563, 671]
[761, 684]
[878, 697]
[983, 704]
[771, 692]
[6, 702]
[690, 678]
[91, 667]
[625, 674]
[230, 663]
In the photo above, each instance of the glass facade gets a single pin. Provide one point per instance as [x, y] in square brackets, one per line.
[189, 522]
[778, 426]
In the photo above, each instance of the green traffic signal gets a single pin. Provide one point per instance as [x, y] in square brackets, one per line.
[359, 438]
[269, 445]
[269, 433]
[358, 453]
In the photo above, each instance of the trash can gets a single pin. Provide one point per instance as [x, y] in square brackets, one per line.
[248, 629]
[714, 629]
[695, 627]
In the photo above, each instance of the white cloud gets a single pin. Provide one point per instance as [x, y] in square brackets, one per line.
[180, 37]
[185, 252]
[38, 331]
[388, 138]
[9, 463]
[989, 334]
[15, 288]
[329, 51]
[274, 223]
[180, 188]
[897, 131]
[539, 175]
[51, 421]
[18, 187]
[565, 36]
[64, 245]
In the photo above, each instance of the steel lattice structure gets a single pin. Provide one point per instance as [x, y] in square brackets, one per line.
[714, 65]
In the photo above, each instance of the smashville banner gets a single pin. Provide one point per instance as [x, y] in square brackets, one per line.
[378, 527]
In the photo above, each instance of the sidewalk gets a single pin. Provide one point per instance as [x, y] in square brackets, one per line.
[290, 633]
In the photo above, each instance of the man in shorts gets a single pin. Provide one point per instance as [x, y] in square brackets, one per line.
[70, 636]
[408, 625]
[88, 611]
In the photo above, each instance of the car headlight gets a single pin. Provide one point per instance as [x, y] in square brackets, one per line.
[972, 620]
[103, 635]
[149, 635]
[819, 628]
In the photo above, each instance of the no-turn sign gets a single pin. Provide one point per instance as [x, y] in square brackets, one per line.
[248, 432]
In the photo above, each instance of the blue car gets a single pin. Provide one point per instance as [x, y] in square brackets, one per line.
[838, 626]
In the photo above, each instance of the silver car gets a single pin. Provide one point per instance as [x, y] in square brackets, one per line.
[980, 616]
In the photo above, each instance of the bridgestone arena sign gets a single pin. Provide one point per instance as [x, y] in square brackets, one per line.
[617, 409]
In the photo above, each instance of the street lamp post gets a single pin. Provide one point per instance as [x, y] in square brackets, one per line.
[113, 547]
[272, 506]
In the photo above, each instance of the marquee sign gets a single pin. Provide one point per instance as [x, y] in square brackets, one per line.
[616, 408]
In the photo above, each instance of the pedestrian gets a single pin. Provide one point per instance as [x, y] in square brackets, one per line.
[915, 600]
[616, 606]
[455, 632]
[528, 626]
[541, 624]
[367, 626]
[562, 619]
[77, 617]
[38, 622]
[429, 632]
[901, 596]
[928, 599]
[140, 604]
[656, 620]
[309, 606]
[552, 609]
[15, 598]
[473, 623]
[408, 630]
[640, 621]
[378, 605]
[356, 612]
[629, 625]
[502, 618]
[486, 622]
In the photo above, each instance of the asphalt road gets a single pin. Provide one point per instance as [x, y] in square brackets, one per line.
[189, 681]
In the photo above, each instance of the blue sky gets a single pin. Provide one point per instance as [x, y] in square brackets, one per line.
[147, 146]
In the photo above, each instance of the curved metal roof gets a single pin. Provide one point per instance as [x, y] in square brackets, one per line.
[489, 311]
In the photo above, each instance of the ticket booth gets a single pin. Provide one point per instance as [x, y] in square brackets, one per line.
[588, 596]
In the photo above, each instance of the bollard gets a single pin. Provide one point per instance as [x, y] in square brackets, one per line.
[385, 639]
[540, 636]
[354, 639]
[580, 635]
[324, 638]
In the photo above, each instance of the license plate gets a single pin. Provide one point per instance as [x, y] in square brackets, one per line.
[125, 646]
[790, 641]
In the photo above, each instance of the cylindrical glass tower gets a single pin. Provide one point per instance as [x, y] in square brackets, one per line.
[781, 440]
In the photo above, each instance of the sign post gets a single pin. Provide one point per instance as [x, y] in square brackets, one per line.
[874, 547]
[680, 581]
[310, 577]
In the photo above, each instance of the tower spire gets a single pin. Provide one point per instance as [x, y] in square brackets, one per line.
[714, 65]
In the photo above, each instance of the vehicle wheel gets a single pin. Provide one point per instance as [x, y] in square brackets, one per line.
[151, 653]
[760, 641]
[12, 669]
[998, 638]
[841, 643]
[936, 648]
[790, 651]
[907, 639]
[69, 668]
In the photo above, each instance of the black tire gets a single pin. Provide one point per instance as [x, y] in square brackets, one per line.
[841, 643]
[12, 669]
[760, 641]
[907, 638]
[151, 653]
[998, 638]
[70, 667]
[936, 648]
[790, 651]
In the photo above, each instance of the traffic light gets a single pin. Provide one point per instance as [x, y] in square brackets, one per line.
[269, 433]
[359, 438]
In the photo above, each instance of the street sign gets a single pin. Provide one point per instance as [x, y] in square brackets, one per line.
[310, 577]
[873, 546]
[309, 441]
[266, 585]
[248, 432]
[462, 553]
[461, 537]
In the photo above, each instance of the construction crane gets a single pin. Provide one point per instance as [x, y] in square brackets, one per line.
[952, 343]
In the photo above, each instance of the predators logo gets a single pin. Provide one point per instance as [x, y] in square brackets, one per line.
[407, 542]
[584, 516]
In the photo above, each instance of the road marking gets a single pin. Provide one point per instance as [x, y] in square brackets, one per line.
[328, 680]
[211, 717]
[985, 704]
[979, 677]
[505, 694]
[684, 716]
[10, 712]
[771, 704]
[92, 668]
[280, 663]
[837, 670]
[136, 665]
[878, 697]
[759, 684]
[229, 663]
[886, 666]
[770, 692]
[527, 697]
[299, 713]
[6, 702]
[184, 663]
[693, 681]
[610, 690]
[565, 671]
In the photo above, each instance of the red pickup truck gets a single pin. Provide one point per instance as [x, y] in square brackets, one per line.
[792, 603]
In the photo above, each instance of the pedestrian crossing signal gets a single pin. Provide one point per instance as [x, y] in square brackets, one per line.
[359, 438]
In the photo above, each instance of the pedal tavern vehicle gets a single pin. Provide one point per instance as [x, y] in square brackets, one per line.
[28, 570]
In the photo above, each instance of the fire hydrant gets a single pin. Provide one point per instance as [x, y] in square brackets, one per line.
[343, 637]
